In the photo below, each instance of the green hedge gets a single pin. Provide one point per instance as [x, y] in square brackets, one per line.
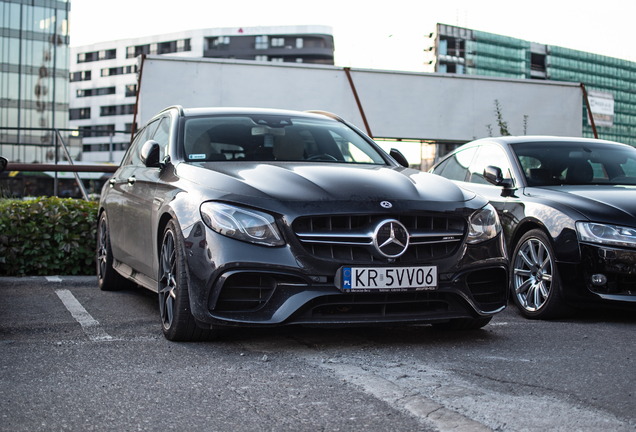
[47, 236]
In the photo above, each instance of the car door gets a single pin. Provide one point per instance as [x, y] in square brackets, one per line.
[139, 194]
[118, 198]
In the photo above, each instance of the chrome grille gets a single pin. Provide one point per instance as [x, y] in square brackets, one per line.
[350, 238]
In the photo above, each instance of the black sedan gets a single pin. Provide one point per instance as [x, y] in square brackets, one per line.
[245, 217]
[568, 210]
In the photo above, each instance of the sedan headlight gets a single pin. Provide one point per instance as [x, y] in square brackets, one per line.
[606, 234]
[242, 224]
[484, 225]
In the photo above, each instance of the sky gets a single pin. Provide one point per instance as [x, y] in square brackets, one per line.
[391, 34]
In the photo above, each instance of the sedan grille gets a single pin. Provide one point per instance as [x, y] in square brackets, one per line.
[350, 238]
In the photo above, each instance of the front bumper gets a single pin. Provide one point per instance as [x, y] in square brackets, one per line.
[618, 266]
[237, 283]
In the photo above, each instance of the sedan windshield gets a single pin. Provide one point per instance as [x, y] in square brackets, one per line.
[577, 163]
[274, 138]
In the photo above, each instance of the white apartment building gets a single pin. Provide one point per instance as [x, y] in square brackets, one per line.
[103, 76]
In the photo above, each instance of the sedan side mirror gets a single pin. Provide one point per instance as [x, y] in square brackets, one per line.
[3, 163]
[399, 157]
[494, 175]
[149, 154]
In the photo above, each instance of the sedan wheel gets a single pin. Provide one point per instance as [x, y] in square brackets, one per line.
[174, 300]
[536, 289]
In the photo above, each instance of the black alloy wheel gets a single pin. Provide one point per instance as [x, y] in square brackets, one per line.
[107, 277]
[174, 301]
[535, 284]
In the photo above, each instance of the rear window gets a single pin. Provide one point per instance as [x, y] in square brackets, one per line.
[274, 138]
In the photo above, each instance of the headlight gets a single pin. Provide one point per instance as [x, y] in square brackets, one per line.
[484, 225]
[606, 234]
[242, 224]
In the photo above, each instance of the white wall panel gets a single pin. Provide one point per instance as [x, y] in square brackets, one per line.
[396, 104]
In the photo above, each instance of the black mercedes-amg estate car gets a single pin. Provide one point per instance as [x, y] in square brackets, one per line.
[568, 210]
[253, 217]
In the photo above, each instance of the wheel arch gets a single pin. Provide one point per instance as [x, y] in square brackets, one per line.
[523, 228]
[563, 239]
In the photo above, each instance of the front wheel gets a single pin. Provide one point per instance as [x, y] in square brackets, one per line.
[535, 283]
[174, 300]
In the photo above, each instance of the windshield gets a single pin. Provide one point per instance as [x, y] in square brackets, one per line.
[274, 138]
[576, 163]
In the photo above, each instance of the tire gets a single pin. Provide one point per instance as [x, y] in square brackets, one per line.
[107, 277]
[177, 321]
[534, 280]
[462, 324]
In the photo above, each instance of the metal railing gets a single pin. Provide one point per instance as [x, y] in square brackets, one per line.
[58, 142]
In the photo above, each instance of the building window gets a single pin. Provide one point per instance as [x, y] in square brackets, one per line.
[119, 70]
[261, 42]
[220, 43]
[278, 42]
[153, 48]
[277, 59]
[128, 127]
[79, 113]
[299, 60]
[183, 45]
[96, 131]
[136, 51]
[96, 55]
[80, 76]
[95, 92]
[114, 110]
[131, 90]
[261, 58]
[299, 42]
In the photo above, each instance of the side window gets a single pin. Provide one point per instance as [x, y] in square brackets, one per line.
[489, 155]
[139, 142]
[629, 168]
[456, 167]
[162, 136]
[134, 148]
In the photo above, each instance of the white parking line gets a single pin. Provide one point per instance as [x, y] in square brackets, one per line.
[89, 324]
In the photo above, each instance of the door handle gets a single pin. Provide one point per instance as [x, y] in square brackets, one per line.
[131, 180]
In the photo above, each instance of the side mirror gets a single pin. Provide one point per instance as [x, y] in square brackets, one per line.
[149, 154]
[493, 175]
[399, 157]
[3, 163]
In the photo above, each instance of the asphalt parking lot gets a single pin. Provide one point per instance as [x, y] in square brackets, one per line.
[76, 358]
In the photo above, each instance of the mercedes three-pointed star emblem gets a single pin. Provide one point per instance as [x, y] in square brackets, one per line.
[391, 239]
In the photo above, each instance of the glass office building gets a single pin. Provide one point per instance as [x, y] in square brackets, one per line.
[609, 81]
[34, 77]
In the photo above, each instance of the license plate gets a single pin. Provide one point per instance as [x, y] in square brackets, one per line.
[388, 278]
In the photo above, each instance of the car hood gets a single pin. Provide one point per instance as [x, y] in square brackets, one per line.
[317, 182]
[612, 204]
